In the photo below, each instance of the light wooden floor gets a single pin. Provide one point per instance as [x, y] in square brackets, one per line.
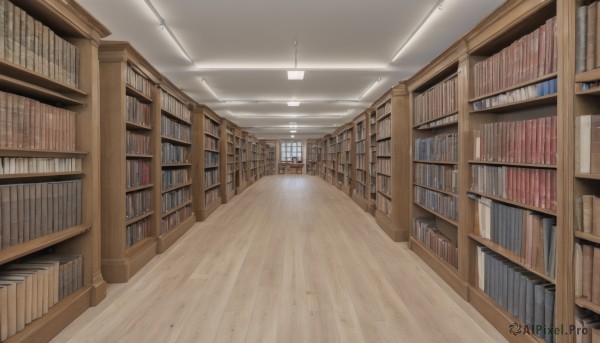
[291, 259]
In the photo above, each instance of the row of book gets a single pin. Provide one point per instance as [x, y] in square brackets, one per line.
[361, 176]
[384, 166]
[426, 232]
[29, 124]
[137, 111]
[137, 173]
[384, 204]
[361, 190]
[529, 57]
[531, 141]
[211, 178]
[586, 86]
[230, 186]
[137, 231]
[442, 177]
[211, 127]
[211, 143]
[31, 287]
[587, 49]
[175, 198]
[138, 82]
[174, 219]
[34, 165]
[32, 210]
[384, 148]
[137, 203]
[524, 295]
[360, 147]
[537, 90]
[438, 101]
[529, 186]
[360, 131]
[384, 109]
[137, 144]
[211, 159]
[173, 129]
[212, 196]
[586, 264]
[385, 184]
[384, 128]
[587, 144]
[174, 177]
[174, 154]
[442, 204]
[588, 214]
[30, 44]
[443, 147]
[453, 119]
[175, 107]
[587, 326]
[529, 235]
[360, 161]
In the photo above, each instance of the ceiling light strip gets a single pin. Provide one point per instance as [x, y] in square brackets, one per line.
[371, 87]
[163, 24]
[210, 90]
[437, 6]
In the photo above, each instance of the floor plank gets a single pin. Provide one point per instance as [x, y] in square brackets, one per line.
[291, 259]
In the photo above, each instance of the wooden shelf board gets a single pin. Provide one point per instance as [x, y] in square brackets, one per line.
[29, 76]
[587, 236]
[588, 76]
[176, 165]
[217, 151]
[437, 162]
[515, 203]
[514, 258]
[37, 92]
[175, 140]
[383, 116]
[525, 165]
[172, 115]
[138, 156]
[28, 176]
[384, 194]
[175, 209]
[137, 126]
[16, 152]
[379, 139]
[212, 186]
[517, 86]
[440, 126]
[587, 176]
[446, 219]
[498, 316]
[212, 135]
[591, 91]
[26, 248]
[138, 188]
[442, 268]
[212, 167]
[138, 218]
[435, 119]
[131, 91]
[542, 100]
[189, 183]
[583, 302]
[58, 316]
[436, 190]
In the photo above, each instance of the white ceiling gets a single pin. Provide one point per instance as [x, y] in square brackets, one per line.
[242, 49]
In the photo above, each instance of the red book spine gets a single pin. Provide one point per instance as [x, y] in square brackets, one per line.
[553, 141]
[542, 190]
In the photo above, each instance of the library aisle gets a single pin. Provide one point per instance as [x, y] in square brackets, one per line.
[292, 259]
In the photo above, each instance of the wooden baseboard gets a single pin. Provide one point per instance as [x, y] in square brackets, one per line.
[227, 198]
[58, 317]
[396, 234]
[240, 189]
[361, 202]
[98, 289]
[168, 239]
[497, 316]
[120, 271]
[201, 215]
[441, 268]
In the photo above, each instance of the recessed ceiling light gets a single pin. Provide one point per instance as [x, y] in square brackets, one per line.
[293, 131]
[295, 74]
[292, 136]
[293, 103]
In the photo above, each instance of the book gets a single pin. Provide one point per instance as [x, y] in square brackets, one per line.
[587, 154]
[590, 60]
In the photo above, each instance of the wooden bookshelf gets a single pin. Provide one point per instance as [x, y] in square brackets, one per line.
[372, 152]
[271, 154]
[262, 159]
[311, 157]
[361, 161]
[227, 161]
[393, 184]
[128, 167]
[177, 211]
[78, 100]
[343, 149]
[207, 157]
[252, 159]
[241, 157]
